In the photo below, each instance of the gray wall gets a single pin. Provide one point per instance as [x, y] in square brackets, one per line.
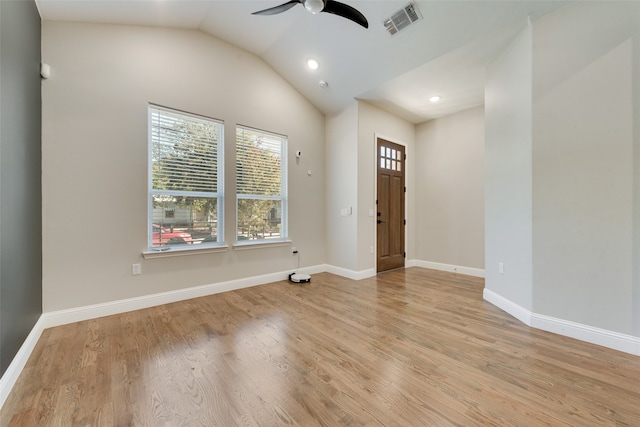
[20, 194]
[583, 164]
[635, 71]
[569, 85]
[508, 181]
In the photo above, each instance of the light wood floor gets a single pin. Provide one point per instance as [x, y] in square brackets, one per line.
[411, 347]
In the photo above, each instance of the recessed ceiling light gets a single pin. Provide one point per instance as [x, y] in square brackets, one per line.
[434, 99]
[313, 64]
[323, 83]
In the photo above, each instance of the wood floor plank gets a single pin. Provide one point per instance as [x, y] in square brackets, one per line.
[411, 347]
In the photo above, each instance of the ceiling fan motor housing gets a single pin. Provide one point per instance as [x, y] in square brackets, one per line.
[333, 7]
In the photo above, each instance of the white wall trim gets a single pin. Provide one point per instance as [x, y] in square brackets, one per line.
[516, 310]
[610, 339]
[593, 335]
[469, 271]
[63, 317]
[410, 263]
[78, 314]
[19, 361]
[351, 274]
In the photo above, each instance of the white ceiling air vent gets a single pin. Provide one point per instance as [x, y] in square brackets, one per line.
[402, 18]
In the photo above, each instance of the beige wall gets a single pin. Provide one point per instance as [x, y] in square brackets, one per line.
[351, 180]
[341, 153]
[95, 157]
[374, 122]
[450, 189]
[545, 166]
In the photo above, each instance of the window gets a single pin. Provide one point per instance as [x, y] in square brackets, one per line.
[261, 185]
[185, 179]
[390, 159]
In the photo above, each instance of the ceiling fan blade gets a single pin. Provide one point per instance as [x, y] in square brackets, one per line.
[345, 11]
[278, 9]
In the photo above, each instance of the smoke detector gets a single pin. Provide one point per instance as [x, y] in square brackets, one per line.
[402, 18]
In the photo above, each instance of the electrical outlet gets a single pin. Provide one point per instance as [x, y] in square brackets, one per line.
[501, 267]
[136, 269]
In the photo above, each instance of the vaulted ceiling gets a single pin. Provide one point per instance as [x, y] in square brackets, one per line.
[444, 53]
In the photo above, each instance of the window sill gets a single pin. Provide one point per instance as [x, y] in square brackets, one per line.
[253, 244]
[171, 252]
[182, 251]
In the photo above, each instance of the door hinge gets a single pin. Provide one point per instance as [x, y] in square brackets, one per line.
[405, 222]
[404, 254]
[405, 189]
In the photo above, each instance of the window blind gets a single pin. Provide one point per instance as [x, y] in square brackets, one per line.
[258, 163]
[261, 185]
[185, 180]
[184, 152]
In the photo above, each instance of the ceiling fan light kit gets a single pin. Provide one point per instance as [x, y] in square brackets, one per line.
[317, 6]
[314, 6]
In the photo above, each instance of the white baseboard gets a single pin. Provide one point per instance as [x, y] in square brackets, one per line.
[610, 339]
[63, 317]
[517, 311]
[469, 271]
[593, 335]
[351, 274]
[14, 369]
[625, 343]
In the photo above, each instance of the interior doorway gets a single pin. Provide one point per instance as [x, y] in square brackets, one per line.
[390, 219]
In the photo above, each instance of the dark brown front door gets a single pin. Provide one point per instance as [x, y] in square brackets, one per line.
[390, 206]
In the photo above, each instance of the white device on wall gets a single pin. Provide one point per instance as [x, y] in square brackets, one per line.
[45, 70]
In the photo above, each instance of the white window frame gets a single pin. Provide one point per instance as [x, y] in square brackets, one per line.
[219, 194]
[283, 197]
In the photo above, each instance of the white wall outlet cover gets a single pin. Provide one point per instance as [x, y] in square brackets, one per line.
[136, 269]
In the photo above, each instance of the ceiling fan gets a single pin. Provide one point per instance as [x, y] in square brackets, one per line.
[317, 6]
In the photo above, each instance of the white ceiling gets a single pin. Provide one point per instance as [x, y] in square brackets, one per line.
[445, 53]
